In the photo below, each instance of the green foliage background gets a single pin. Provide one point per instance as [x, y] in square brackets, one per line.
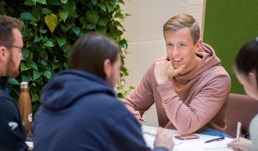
[51, 27]
[227, 26]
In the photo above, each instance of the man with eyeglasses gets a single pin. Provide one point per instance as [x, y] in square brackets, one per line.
[12, 132]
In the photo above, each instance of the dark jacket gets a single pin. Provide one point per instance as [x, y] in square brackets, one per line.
[12, 132]
[80, 112]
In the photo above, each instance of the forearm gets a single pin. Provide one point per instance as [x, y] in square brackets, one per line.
[130, 105]
[193, 116]
[181, 116]
[139, 100]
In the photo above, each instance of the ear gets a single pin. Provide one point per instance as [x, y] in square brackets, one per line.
[2, 53]
[2, 50]
[198, 45]
[252, 77]
[107, 68]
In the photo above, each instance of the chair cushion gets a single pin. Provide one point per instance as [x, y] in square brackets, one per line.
[240, 108]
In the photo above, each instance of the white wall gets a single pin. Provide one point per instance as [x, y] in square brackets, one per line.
[145, 36]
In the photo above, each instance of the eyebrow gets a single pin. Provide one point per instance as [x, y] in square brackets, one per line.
[176, 42]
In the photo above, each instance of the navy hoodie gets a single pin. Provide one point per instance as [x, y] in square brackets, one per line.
[80, 112]
[12, 132]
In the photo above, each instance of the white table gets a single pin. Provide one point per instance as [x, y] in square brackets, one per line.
[149, 133]
[188, 145]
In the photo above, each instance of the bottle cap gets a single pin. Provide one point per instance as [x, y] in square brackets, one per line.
[24, 85]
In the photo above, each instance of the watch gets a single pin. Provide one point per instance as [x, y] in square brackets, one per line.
[162, 82]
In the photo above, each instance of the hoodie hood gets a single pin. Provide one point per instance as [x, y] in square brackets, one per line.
[208, 60]
[3, 82]
[69, 86]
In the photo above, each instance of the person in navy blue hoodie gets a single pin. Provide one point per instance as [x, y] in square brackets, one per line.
[79, 109]
[12, 131]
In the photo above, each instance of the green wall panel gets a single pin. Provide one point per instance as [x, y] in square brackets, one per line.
[228, 24]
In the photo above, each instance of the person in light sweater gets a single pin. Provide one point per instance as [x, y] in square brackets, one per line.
[189, 86]
[246, 69]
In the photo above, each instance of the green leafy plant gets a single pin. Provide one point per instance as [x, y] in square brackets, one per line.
[51, 27]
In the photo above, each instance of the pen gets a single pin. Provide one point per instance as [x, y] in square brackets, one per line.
[142, 120]
[215, 140]
[238, 131]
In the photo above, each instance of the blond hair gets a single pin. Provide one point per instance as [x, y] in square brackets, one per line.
[183, 21]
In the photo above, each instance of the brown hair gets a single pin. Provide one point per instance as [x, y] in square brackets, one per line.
[90, 51]
[8, 23]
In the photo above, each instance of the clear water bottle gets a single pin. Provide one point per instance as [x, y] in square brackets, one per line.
[24, 104]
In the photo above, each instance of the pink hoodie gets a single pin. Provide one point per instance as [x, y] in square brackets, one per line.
[200, 102]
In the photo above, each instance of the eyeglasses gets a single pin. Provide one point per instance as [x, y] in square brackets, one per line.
[13, 46]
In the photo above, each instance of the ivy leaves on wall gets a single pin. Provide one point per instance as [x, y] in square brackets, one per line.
[52, 26]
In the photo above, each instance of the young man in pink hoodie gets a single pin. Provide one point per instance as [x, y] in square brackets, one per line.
[188, 86]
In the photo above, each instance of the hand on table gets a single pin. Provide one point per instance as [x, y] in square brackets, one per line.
[164, 139]
[242, 145]
[138, 117]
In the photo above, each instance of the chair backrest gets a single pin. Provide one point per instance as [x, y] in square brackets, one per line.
[240, 108]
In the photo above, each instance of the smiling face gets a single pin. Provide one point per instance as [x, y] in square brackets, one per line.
[181, 49]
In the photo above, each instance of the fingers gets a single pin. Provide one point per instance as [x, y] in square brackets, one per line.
[242, 145]
[233, 144]
[164, 70]
[178, 70]
[137, 115]
[164, 139]
[164, 132]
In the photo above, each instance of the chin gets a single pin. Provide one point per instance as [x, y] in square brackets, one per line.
[14, 74]
[175, 67]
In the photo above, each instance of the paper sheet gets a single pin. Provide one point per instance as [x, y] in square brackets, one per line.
[188, 145]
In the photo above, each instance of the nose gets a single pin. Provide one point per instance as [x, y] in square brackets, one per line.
[175, 51]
